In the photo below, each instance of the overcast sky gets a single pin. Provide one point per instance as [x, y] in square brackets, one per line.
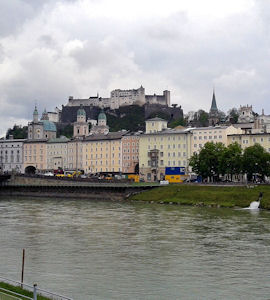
[52, 49]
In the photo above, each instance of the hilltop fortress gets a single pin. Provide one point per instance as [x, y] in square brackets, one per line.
[118, 104]
[123, 98]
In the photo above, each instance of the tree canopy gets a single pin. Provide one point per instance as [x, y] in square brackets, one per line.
[18, 132]
[215, 160]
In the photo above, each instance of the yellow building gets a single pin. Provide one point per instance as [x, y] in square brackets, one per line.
[215, 134]
[102, 153]
[57, 153]
[35, 156]
[162, 147]
[247, 140]
[155, 125]
[75, 154]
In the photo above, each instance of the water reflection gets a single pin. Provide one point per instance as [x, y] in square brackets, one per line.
[101, 250]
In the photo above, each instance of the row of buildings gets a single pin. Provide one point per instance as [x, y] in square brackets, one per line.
[94, 149]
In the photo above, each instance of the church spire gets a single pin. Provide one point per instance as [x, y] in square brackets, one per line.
[214, 103]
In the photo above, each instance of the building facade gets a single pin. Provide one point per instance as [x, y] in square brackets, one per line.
[75, 154]
[81, 127]
[102, 153]
[247, 140]
[35, 156]
[130, 153]
[11, 155]
[43, 129]
[57, 153]
[246, 114]
[160, 148]
[217, 134]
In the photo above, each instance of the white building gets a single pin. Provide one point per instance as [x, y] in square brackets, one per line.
[245, 114]
[11, 155]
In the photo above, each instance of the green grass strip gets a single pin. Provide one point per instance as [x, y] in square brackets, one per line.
[198, 195]
[19, 290]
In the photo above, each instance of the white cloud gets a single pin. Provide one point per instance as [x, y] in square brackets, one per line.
[54, 49]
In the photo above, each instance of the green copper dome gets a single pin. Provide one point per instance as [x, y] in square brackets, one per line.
[102, 116]
[81, 111]
[48, 125]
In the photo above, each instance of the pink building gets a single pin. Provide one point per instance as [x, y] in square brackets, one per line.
[130, 153]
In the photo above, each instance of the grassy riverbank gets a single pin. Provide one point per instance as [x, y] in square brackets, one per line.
[199, 195]
[18, 290]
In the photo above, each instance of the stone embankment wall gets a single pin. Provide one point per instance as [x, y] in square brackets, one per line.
[59, 188]
[23, 180]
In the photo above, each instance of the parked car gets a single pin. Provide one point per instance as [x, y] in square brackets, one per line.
[48, 174]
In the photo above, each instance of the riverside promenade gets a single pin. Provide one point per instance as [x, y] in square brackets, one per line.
[71, 188]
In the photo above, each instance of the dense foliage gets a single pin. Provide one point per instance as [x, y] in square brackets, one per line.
[127, 117]
[67, 131]
[18, 132]
[216, 160]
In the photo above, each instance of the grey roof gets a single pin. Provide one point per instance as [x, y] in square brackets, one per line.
[209, 127]
[245, 134]
[156, 119]
[3, 140]
[109, 136]
[36, 141]
[62, 139]
[168, 131]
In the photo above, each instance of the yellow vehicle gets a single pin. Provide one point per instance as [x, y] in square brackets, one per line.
[134, 177]
[60, 175]
[175, 178]
[73, 174]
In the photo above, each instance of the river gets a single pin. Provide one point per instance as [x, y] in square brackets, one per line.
[102, 250]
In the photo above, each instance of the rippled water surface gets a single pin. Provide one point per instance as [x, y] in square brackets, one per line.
[101, 250]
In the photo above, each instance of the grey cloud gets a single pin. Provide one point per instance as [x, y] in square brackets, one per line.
[175, 52]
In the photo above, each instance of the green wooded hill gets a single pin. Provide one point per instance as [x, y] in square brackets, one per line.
[131, 118]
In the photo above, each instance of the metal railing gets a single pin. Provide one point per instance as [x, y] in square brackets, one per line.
[31, 288]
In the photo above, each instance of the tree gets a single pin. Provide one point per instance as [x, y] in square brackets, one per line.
[231, 160]
[66, 131]
[18, 132]
[233, 115]
[203, 118]
[178, 122]
[208, 162]
[256, 161]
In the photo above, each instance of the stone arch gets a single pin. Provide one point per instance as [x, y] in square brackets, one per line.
[136, 169]
[30, 170]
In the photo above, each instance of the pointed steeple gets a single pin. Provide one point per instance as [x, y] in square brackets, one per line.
[214, 103]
